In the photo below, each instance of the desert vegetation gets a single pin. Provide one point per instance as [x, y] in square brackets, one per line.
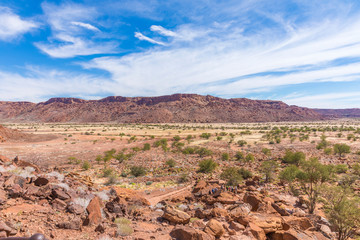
[286, 172]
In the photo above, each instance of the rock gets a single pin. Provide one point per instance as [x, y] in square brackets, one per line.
[199, 186]
[3, 196]
[302, 223]
[199, 224]
[176, 216]
[254, 230]
[7, 229]
[58, 193]
[188, 233]
[237, 226]
[324, 229]
[118, 205]
[14, 180]
[280, 210]
[41, 181]
[214, 228]
[296, 234]
[74, 224]
[219, 212]
[253, 200]
[240, 211]
[268, 223]
[227, 198]
[100, 228]
[15, 191]
[58, 204]
[75, 208]
[94, 212]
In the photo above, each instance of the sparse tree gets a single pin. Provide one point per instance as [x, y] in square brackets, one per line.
[342, 210]
[341, 149]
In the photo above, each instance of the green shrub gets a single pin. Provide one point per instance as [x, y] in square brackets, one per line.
[138, 171]
[207, 166]
[341, 168]
[294, 157]
[204, 152]
[232, 176]
[249, 158]
[86, 165]
[171, 163]
[245, 173]
[225, 156]
[205, 135]
[239, 156]
[107, 172]
[146, 147]
[328, 151]
[266, 151]
[242, 143]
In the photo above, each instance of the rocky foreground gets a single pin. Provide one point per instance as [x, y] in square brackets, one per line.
[178, 108]
[71, 206]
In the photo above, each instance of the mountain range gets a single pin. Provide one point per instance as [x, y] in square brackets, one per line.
[176, 108]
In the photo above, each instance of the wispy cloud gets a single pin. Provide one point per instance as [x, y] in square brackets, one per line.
[68, 22]
[141, 36]
[13, 26]
[163, 31]
[86, 25]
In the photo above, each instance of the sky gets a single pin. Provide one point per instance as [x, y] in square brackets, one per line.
[302, 52]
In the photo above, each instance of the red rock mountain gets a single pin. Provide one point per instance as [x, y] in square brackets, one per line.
[180, 108]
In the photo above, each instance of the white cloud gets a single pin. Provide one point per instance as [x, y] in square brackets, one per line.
[162, 31]
[338, 100]
[68, 23]
[37, 84]
[12, 26]
[142, 37]
[86, 25]
[203, 66]
[74, 46]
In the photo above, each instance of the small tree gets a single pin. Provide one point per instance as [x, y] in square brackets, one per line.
[266, 151]
[268, 168]
[341, 149]
[288, 175]
[342, 210]
[171, 163]
[207, 166]
[311, 176]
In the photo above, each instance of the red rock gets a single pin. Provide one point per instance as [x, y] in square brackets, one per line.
[256, 231]
[188, 233]
[215, 228]
[253, 200]
[94, 211]
[176, 216]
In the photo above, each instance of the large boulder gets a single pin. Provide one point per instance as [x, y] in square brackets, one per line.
[252, 199]
[301, 223]
[255, 231]
[199, 186]
[214, 228]
[176, 216]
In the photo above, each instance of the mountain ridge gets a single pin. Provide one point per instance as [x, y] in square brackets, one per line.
[181, 108]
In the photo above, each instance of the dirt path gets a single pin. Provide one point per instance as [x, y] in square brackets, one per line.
[154, 200]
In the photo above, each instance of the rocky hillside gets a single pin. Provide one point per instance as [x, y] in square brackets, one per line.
[181, 108]
[340, 113]
[71, 206]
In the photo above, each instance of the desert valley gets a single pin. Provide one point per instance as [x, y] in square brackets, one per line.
[73, 179]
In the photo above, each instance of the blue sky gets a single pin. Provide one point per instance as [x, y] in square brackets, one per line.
[302, 52]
